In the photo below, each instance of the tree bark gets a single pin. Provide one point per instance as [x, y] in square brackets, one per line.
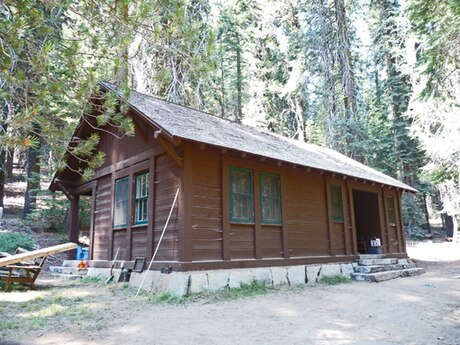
[9, 164]
[348, 85]
[33, 180]
[239, 80]
[2, 176]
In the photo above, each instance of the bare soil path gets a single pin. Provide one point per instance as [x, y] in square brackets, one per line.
[416, 310]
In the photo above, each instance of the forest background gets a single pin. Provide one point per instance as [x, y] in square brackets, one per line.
[377, 80]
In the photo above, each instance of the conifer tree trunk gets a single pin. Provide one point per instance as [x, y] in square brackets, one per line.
[9, 164]
[2, 176]
[33, 180]
[349, 98]
[239, 80]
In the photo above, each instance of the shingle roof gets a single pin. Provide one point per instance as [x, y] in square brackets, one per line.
[191, 124]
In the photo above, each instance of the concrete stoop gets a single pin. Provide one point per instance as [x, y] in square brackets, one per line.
[68, 272]
[378, 268]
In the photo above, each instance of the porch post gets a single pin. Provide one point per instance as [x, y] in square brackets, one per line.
[74, 224]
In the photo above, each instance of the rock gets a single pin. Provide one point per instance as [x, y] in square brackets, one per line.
[240, 277]
[198, 282]
[218, 280]
[279, 276]
[178, 284]
[347, 270]
[296, 275]
[263, 276]
[312, 274]
[330, 270]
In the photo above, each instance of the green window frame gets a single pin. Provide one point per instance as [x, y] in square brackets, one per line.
[141, 199]
[241, 195]
[121, 202]
[270, 198]
[391, 210]
[336, 203]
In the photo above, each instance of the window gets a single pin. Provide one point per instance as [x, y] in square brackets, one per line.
[120, 212]
[270, 199]
[391, 210]
[141, 199]
[336, 202]
[241, 195]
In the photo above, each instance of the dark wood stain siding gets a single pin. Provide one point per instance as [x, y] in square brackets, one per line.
[102, 219]
[306, 214]
[206, 225]
[166, 183]
[307, 231]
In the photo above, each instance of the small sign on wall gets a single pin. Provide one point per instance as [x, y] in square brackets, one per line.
[375, 242]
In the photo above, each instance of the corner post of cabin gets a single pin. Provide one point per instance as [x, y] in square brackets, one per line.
[386, 227]
[329, 216]
[185, 205]
[284, 228]
[402, 235]
[257, 225]
[351, 205]
[225, 208]
[73, 223]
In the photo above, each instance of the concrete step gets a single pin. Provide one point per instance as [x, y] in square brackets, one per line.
[374, 262]
[69, 276]
[68, 270]
[387, 275]
[372, 256]
[380, 268]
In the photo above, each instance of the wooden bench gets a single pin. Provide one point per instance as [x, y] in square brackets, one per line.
[24, 266]
[24, 272]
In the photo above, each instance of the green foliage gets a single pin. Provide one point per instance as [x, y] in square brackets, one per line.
[50, 213]
[10, 241]
[246, 290]
[335, 280]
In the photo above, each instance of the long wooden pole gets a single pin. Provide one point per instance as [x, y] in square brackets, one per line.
[159, 241]
[12, 259]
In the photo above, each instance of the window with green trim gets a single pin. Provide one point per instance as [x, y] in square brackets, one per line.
[120, 210]
[336, 203]
[270, 198]
[391, 210]
[241, 195]
[141, 199]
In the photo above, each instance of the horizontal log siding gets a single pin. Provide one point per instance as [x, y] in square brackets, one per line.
[102, 219]
[139, 245]
[306, 214]
[206, 225]
[166, 184]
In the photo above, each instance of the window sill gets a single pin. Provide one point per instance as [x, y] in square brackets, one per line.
[272, 224]
[119, 228]
[140, 225]
[232, 222]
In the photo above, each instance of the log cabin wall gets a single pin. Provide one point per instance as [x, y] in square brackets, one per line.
[128, 157]
[306, 231]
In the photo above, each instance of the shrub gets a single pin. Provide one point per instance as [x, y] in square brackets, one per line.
[9, 242]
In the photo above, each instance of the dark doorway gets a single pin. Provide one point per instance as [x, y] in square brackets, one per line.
[367, 218]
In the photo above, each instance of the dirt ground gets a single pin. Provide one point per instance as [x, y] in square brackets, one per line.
[416, 310]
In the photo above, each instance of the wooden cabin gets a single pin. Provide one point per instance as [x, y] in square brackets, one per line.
[247, 198]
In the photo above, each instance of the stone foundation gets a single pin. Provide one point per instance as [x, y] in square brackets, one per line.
[184, 283]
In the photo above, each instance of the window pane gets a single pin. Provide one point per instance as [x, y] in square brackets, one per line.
[120, 211]
[142, 192]
[270, 202]
[241, 195]
[336, 203]
[391, 211]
